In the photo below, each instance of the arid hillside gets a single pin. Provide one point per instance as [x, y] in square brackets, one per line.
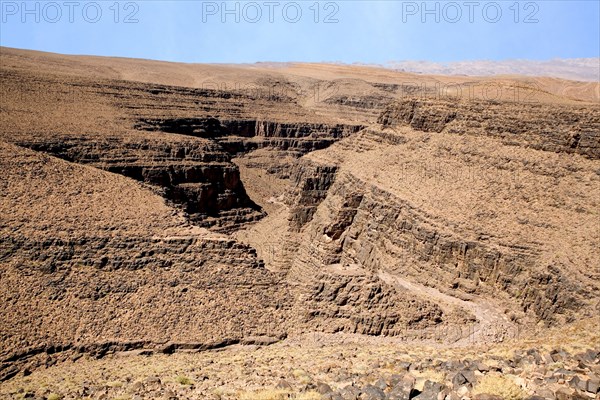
[151, 207]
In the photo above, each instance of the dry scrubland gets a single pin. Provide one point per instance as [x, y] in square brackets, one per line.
[295, 231]
[305, 364]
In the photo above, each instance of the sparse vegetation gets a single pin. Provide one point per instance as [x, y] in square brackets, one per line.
[302, 376]
[432, 375]
[278, 394]
[266, 394]
[183, 380]
[499, 385]
[308, 396]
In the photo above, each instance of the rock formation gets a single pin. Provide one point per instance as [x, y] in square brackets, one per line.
[159, 213]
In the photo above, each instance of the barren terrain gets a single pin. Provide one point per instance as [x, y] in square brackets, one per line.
[275, 231]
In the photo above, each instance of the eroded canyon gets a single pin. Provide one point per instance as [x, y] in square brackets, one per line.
[169, 208]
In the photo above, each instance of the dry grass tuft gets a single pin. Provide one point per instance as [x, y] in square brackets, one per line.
[266, 394]
[500, 386]
[278, 394]
[184, 380]
[308, 396]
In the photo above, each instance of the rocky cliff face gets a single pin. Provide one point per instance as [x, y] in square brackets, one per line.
[311, 185]
[363, 304]
[197, 176]
[556, 128]
[363, 225]
[361, 208]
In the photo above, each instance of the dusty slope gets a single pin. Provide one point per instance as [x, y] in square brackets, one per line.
[78, 201]
[94, 261]
[345, 363]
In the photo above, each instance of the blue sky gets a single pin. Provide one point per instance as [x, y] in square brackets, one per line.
[340, 31]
